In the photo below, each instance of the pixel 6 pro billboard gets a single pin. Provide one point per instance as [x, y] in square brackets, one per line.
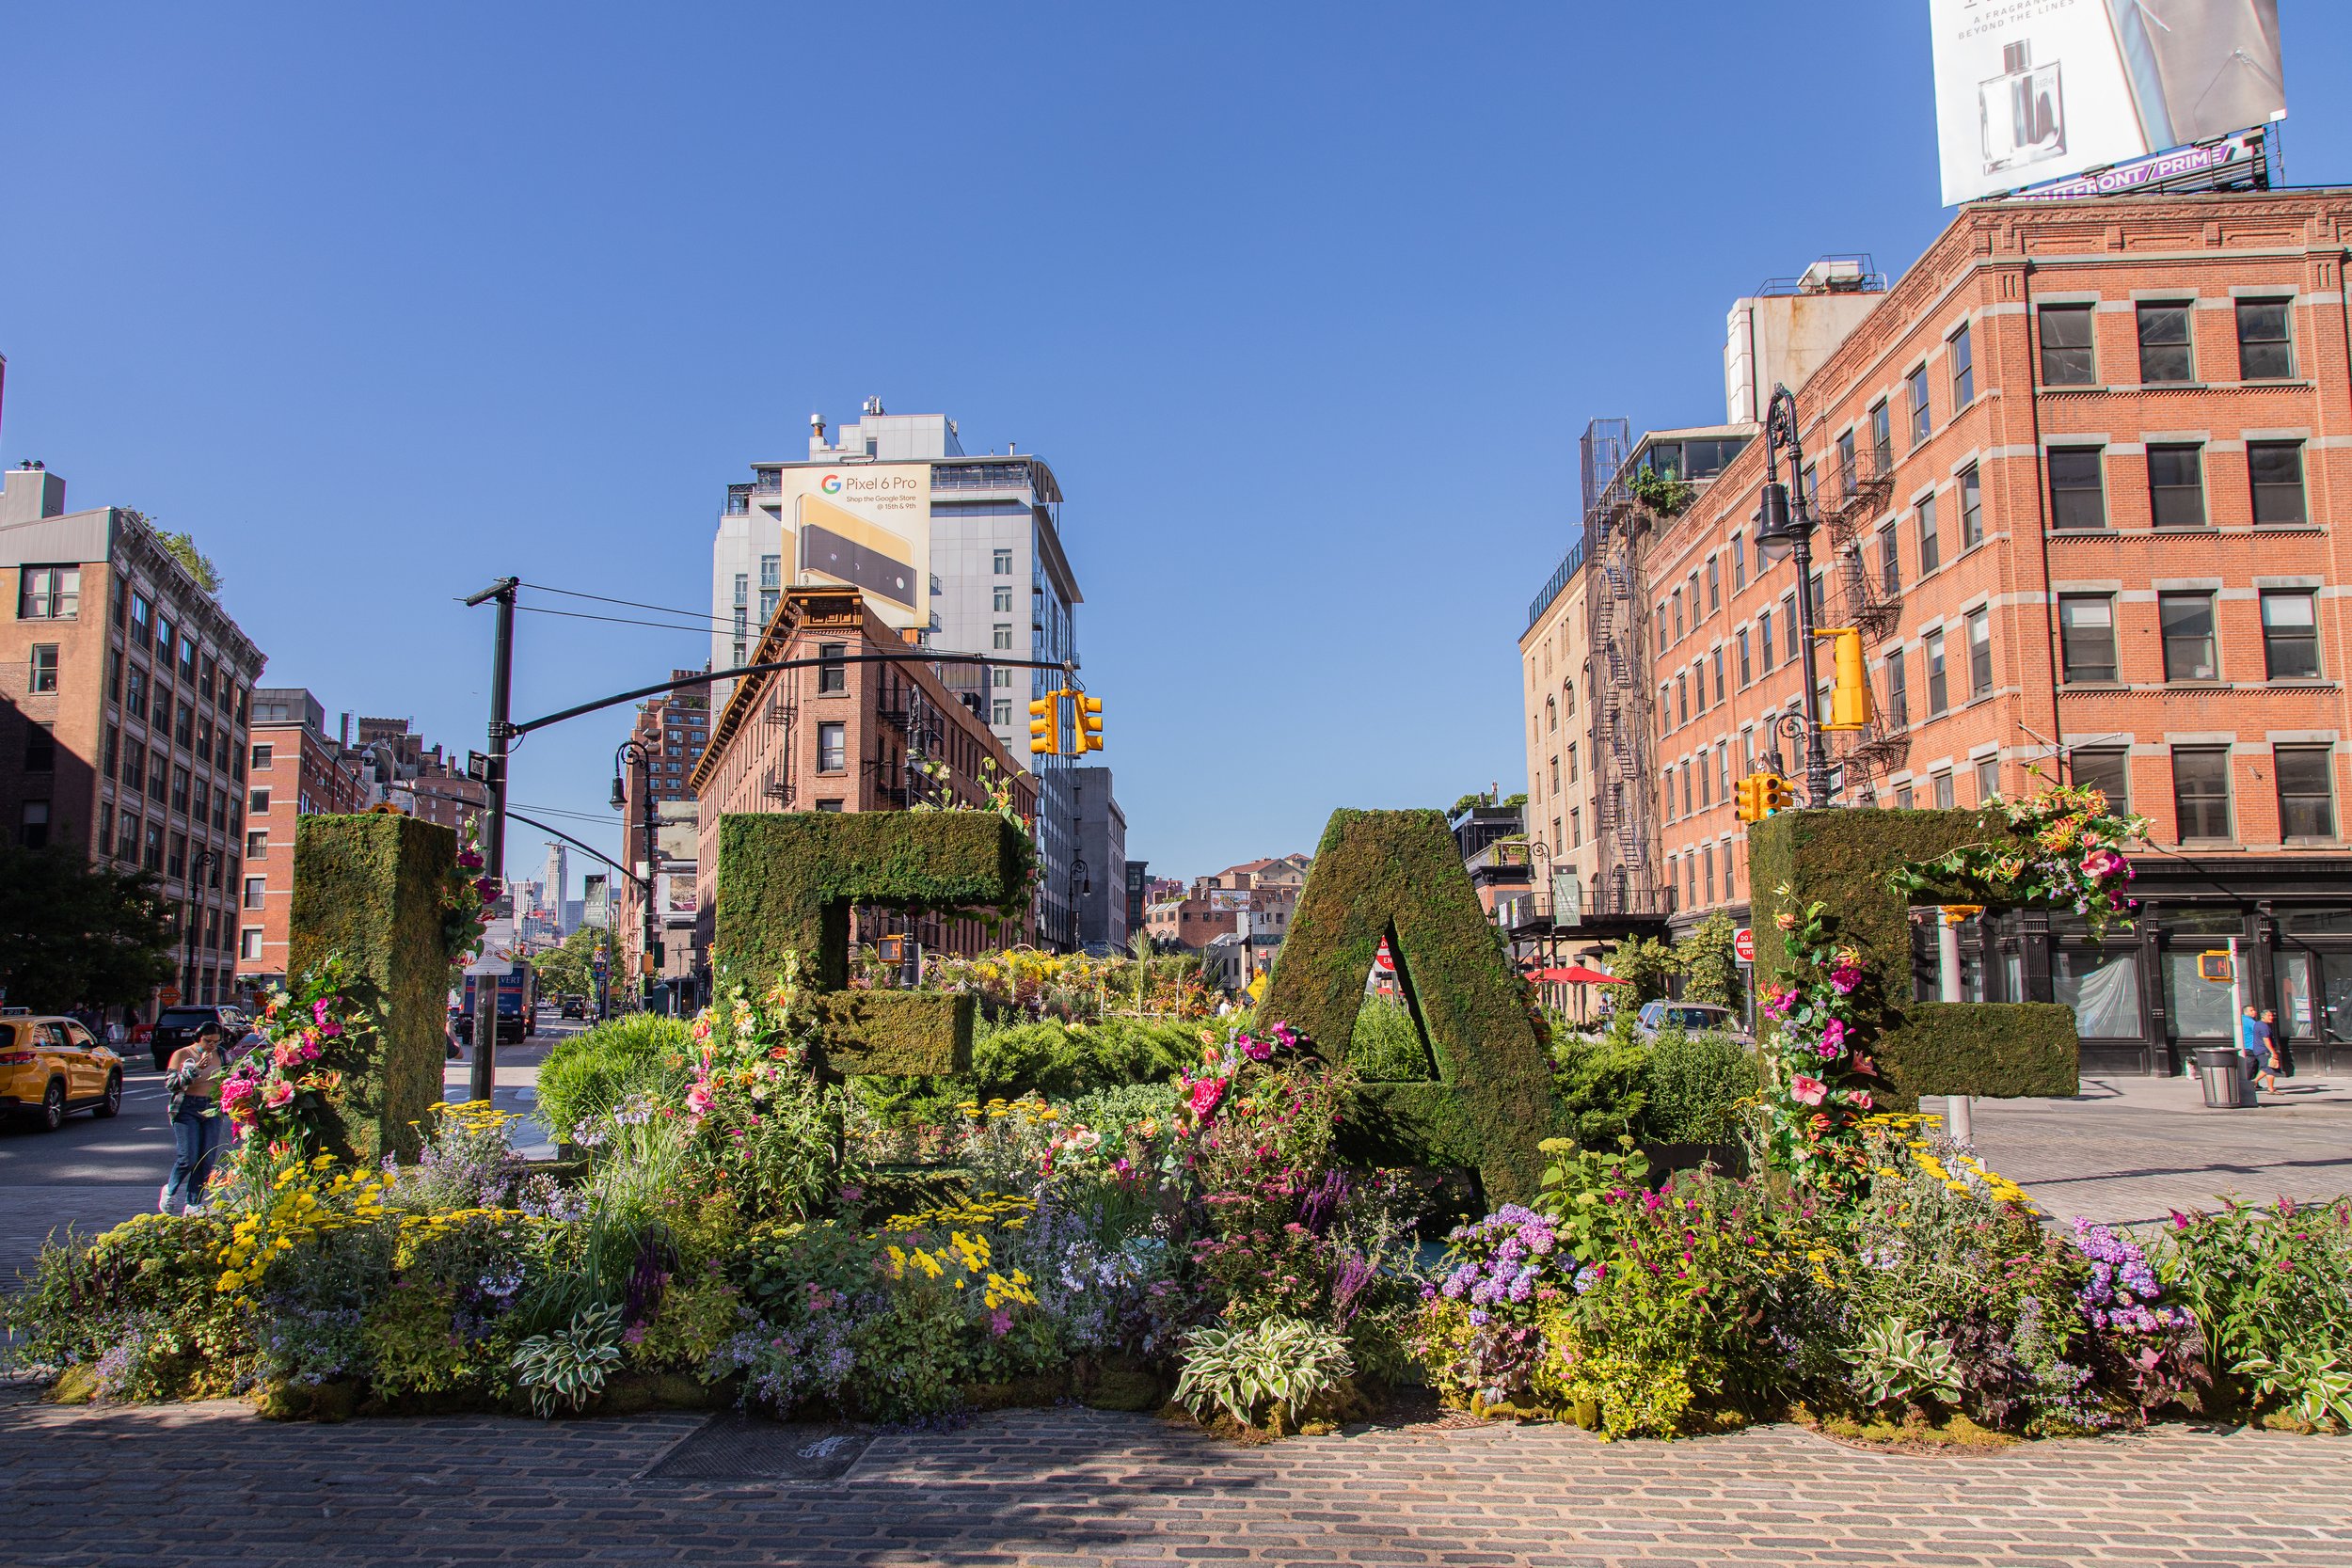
[2034, 91]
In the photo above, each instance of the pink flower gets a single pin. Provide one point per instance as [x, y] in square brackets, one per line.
[1254, 1047]
[287, 1054]
[1844, 978]
[1283, 1033]
[1000, 1323]
[279, 1092]
[487, 887]
[1205, 1095]
[235, 1092]
[1861, 1098]
[1834, 1034]
[1808, 1090]
[699, 1101]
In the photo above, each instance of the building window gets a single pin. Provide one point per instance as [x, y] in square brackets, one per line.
[1881, 439]
[833, 672]
[2290, 635]
[41, 675]
[2306, 802]
[2164, 349]
[1764, 641]
[1719, 677]
[1971, 509]
[2176, 485]
[832, 754]
[249, 944]
[1678, 604]
[1979, 653]
[1789, 630]
[2067, 356]
[1846, 468]
[41, 749]
[2188, 645]
[1686, 791]
[258, 804]
[1746, 673]
[1000, 712]
[2201, 792]
[158, 775]
[1707, 865]
[1739, 561]
[32, 824]
[742, 592]
[1897, 696]
[1682, 699]
[2077, 495]
[1002, 637]
[127, 845]
[256, 892]
[1714, 585]
[261, 754]
[1003, 603]
[2106, 771]
[1004, 563]
[180, 790]
[1890, 562]
[2266, 349]
[152, 855]
[1939, 691]
[2275, 470]
[184, 730]
[2087, 638]
[1940, 790]
[1988, 780]
[1964, 352]
[1571, 762]
[1930, 539]
[1916, 387]
[48, 593]
[256, 847]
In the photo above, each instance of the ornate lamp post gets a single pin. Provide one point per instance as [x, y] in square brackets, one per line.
[632, 751]
[1783, 526]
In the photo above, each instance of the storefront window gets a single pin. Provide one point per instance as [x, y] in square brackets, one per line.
[2102, 985]
[2198, 1009]
[2295, 996]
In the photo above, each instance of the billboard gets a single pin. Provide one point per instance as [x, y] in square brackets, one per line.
[867, 525]
[2028, 91]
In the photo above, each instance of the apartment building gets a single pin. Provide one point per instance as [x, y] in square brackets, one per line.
[850, 736]
[295, 768]
[124, 693]
[672, 733]
[2074, 479]
[424, 781]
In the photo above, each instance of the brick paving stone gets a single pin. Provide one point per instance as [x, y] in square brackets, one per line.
[198, 1485]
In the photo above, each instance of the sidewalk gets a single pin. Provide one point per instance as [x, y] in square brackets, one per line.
[2130, 1151]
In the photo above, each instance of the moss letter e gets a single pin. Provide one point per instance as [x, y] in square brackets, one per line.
[785, 885]
[1397, 874]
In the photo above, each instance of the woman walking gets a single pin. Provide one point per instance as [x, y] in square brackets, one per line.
[193, 1077]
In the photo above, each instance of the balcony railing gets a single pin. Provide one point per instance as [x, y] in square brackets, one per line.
[1569, 565]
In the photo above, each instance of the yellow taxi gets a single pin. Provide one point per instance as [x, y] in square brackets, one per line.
[51, 1066]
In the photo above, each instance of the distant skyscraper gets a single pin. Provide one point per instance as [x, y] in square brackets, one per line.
[556, 884]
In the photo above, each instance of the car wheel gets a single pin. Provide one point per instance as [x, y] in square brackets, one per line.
[52, 1113]
[111, 1105]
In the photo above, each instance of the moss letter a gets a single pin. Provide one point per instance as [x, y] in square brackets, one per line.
[786, 880]
[1397, 874]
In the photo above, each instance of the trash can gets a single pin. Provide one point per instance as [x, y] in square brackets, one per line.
[2222, 1073]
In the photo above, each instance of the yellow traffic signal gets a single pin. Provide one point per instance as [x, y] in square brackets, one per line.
[1089, 712]
[1045, 724]
[1849, 697]
[1752, 799]
[1777, 795]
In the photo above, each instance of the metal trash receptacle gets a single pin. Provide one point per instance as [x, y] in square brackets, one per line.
[2221, 1073]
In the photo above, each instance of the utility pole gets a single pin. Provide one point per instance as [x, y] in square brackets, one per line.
[653, 886]
[484, 1079]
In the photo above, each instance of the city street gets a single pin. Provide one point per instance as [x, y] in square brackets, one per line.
[91, 1175]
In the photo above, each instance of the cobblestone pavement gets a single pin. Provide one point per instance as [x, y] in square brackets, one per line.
[2131, 1150]
[203, 1484]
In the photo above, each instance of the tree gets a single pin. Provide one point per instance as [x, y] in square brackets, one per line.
[1647, 965]
[74, 935]
[569, 969]
[1710, 968]
[199, 566]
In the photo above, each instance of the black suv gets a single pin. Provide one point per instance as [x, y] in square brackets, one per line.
[178, 1027]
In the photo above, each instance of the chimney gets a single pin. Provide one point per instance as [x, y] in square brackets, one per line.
[346, 735]
[29, 494]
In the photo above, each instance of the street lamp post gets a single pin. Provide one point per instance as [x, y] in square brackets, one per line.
[1783, 526]
[637, 753]
[197, 867]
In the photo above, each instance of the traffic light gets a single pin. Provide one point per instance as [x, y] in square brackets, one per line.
[1849, 697]
[1777, 795]
[1089, 712]
[1752, 798]
[1045, 724]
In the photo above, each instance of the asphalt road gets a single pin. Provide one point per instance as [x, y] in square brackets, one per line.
[91, 1175]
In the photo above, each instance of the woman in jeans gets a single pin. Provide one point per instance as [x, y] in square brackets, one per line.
[193, 1078]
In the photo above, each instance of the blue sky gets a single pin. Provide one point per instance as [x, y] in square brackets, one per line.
[1305, 304]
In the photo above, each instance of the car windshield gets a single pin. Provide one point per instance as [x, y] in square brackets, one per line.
[1695, 1017]
[184, 1018]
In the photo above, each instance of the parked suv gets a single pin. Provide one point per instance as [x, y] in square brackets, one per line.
[50, 1066]
[1691, 1017]
[178, 1027]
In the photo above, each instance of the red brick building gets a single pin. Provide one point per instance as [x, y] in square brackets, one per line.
[296, 769]
[855, 736]
[2074, 477]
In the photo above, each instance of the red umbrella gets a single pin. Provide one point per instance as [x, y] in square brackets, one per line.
[1575, 974]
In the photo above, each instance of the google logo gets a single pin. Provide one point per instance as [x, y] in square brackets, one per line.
[830, 484]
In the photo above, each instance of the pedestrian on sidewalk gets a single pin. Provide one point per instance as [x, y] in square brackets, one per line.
[2282, 1053]
[2254, 1043]
[193, 1080]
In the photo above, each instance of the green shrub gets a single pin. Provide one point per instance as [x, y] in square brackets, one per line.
[1054, 1059]
[1602, 1086]
[1693, 1084]
[588, 1074]
[1385, 1046]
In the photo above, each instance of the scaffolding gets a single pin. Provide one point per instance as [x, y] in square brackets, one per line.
[1617, 624]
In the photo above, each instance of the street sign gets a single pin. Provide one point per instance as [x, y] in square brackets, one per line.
[497, 949]
[477, 768]
[168, 996]
[1743, 945]
[1383, 962]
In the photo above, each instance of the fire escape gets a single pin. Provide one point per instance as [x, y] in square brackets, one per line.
[1618, 630]
[1867, 599]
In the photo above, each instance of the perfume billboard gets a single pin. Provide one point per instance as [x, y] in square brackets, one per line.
[2030, 91]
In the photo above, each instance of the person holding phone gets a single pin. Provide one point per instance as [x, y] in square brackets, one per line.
[193, 1077]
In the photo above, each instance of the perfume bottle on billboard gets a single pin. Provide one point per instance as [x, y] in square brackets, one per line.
[2022, 111]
